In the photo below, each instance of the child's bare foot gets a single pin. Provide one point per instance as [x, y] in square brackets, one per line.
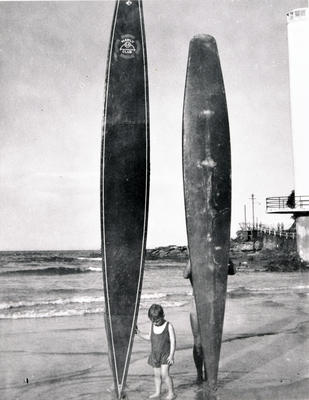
[111, 389]
[171, 396]
[154, 396]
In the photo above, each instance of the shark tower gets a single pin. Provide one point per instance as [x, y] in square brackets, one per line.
[298, 203]
[298, 43]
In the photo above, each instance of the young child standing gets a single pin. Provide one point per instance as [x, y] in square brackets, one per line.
[163, 345]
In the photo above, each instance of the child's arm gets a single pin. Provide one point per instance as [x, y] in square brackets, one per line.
[171, 332]
[144, 336]
[187, 271]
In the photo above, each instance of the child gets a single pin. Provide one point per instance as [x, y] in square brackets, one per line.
[163, 344]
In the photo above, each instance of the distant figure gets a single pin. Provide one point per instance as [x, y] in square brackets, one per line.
[231, 268]
[26, 380]
[198, 355]
[291, 200]
[163, 345]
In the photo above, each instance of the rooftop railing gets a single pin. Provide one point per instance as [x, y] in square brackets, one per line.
[297, 14]
[286, 202]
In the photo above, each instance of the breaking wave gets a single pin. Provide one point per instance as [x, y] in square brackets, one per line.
[51, 271]
[76, 305]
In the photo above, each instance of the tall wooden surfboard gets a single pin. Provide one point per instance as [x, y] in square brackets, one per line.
[207, 191]
[124, 183]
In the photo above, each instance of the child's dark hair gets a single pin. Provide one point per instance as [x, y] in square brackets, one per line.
[155, 312]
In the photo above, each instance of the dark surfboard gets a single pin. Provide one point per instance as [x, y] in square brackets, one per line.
[124, 183]
[207, 191]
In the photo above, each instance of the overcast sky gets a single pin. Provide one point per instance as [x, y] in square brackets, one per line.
[52, 71]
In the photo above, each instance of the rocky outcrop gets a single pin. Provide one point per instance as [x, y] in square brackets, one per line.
[271, 253]
[281, 261]
[167, 253]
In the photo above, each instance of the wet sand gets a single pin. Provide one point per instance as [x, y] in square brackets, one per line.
[264, 354]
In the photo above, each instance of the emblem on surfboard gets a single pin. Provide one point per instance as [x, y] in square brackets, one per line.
[127, 47]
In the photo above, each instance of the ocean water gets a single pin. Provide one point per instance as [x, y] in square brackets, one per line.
[47, 284]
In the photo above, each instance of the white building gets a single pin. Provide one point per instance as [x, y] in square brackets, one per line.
[298, 44]
[298, 41]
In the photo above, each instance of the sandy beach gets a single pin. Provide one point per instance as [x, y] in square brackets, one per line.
[264, 352]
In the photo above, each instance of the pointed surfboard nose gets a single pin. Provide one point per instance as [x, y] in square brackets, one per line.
[124, 183]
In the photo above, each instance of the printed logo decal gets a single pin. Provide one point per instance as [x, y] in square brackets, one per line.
[127, 47]
[129, 2]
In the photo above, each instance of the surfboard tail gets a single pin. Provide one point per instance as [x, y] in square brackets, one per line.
[207, 191]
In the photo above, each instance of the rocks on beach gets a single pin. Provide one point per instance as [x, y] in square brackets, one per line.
[245, 255]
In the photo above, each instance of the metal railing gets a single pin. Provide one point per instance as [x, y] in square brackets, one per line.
[278, 232]
[286, 202]
[260, 229]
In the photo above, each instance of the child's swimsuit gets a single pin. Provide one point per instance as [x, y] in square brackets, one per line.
[160, 347]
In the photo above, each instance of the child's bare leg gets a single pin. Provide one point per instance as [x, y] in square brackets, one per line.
[198, 361]
[157, 380]
[197, 347]
[168, 381]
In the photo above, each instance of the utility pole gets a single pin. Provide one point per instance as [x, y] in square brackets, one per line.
[245, 214]
[253, 238]
[252, 200]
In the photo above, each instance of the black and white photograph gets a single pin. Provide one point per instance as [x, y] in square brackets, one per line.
[154, 200]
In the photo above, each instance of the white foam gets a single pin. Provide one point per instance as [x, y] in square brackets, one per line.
[51, 313]
[76, 299]
[95, 269]
[146, 296]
